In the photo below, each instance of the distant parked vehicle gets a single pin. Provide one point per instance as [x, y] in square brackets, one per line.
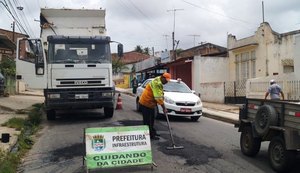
[180, 100]
[2, 84]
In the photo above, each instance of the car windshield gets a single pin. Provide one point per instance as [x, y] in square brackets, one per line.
[176, 87]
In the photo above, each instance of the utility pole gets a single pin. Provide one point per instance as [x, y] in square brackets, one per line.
[194, 35]
[13, 28]
[173, 33]
[263, 11]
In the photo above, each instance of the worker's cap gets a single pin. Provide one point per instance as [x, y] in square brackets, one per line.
[167, 76]
[272, 81]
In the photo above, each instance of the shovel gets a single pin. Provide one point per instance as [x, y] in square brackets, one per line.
[171, 135]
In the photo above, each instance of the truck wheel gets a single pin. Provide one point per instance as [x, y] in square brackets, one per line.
[195, 118]
[51, 114]
[281, 160]
[266, 116]
[108, 112]
[250, 146]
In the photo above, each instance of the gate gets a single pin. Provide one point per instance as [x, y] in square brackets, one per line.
[235, 92]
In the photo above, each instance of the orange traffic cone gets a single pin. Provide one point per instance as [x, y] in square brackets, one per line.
[119, 102]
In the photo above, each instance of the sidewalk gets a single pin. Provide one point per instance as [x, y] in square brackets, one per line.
[9, 106]
[223, 112]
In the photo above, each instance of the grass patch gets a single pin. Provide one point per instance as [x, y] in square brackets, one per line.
[9, 161]
[16, 123]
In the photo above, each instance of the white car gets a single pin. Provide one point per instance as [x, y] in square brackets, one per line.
[179, 100]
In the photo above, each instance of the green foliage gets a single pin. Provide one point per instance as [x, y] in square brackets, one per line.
[118, 66]
[140, 49]
[8, 66]
[16, 123]
[9, 161]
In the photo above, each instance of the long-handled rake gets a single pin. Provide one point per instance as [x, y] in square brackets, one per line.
[171, 135]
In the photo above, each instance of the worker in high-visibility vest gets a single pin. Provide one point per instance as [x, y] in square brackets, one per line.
[151, 96]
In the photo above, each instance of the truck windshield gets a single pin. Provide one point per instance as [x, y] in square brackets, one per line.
[79, 53]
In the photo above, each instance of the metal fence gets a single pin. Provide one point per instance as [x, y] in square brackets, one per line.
[235, 92]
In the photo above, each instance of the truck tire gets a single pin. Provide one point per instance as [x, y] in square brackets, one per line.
[250, 146]
[108, 112]
[266, 116]
[51, 115]
[281, 160]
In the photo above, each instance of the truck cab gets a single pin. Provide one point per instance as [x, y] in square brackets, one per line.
[75, 71]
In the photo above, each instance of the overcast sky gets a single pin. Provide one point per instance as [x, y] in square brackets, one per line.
[150, 23]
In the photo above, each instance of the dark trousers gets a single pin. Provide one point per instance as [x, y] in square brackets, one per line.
[134, 90]
[148, 119]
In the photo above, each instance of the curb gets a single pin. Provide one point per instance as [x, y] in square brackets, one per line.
[216, 117]
[7, 108]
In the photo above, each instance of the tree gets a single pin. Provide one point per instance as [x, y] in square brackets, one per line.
[8, 66]
[147, 51]
[118, 66]
[139, 49]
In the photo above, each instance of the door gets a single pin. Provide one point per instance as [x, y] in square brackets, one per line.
[31, 64]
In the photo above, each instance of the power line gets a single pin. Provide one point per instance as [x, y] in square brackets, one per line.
[232, 18]
[194, 35]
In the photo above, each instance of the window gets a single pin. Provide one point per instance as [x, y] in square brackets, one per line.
[245, 65]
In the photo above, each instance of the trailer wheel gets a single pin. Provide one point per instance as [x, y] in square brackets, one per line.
[281, 160]
[250, 146]
[108, 112]
[51, 114]
[265, 117]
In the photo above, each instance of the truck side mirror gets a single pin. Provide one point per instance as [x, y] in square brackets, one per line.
[120, 50]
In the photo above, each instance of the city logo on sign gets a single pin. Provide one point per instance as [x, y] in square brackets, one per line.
[81, 82]
[98, 142]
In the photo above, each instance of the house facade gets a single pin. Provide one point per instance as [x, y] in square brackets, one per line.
[266, 53]
[263, 56]
[183, 66]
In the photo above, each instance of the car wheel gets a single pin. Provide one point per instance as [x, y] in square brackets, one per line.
[195, 118]
[108, 112]
[51, 114]
[281, 160]
[266, 116]
[250, 146]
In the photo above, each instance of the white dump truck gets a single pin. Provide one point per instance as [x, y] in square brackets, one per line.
[71, 61]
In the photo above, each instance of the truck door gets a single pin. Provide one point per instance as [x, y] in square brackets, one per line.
[30, 64]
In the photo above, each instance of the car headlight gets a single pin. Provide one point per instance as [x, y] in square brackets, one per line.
[198, 102]
[107, 94]
[168, 100]
[53, 96]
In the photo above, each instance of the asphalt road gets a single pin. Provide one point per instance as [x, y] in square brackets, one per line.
[209, 145]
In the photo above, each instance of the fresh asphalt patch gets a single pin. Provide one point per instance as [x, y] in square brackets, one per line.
[68, 152]
[194, 154]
